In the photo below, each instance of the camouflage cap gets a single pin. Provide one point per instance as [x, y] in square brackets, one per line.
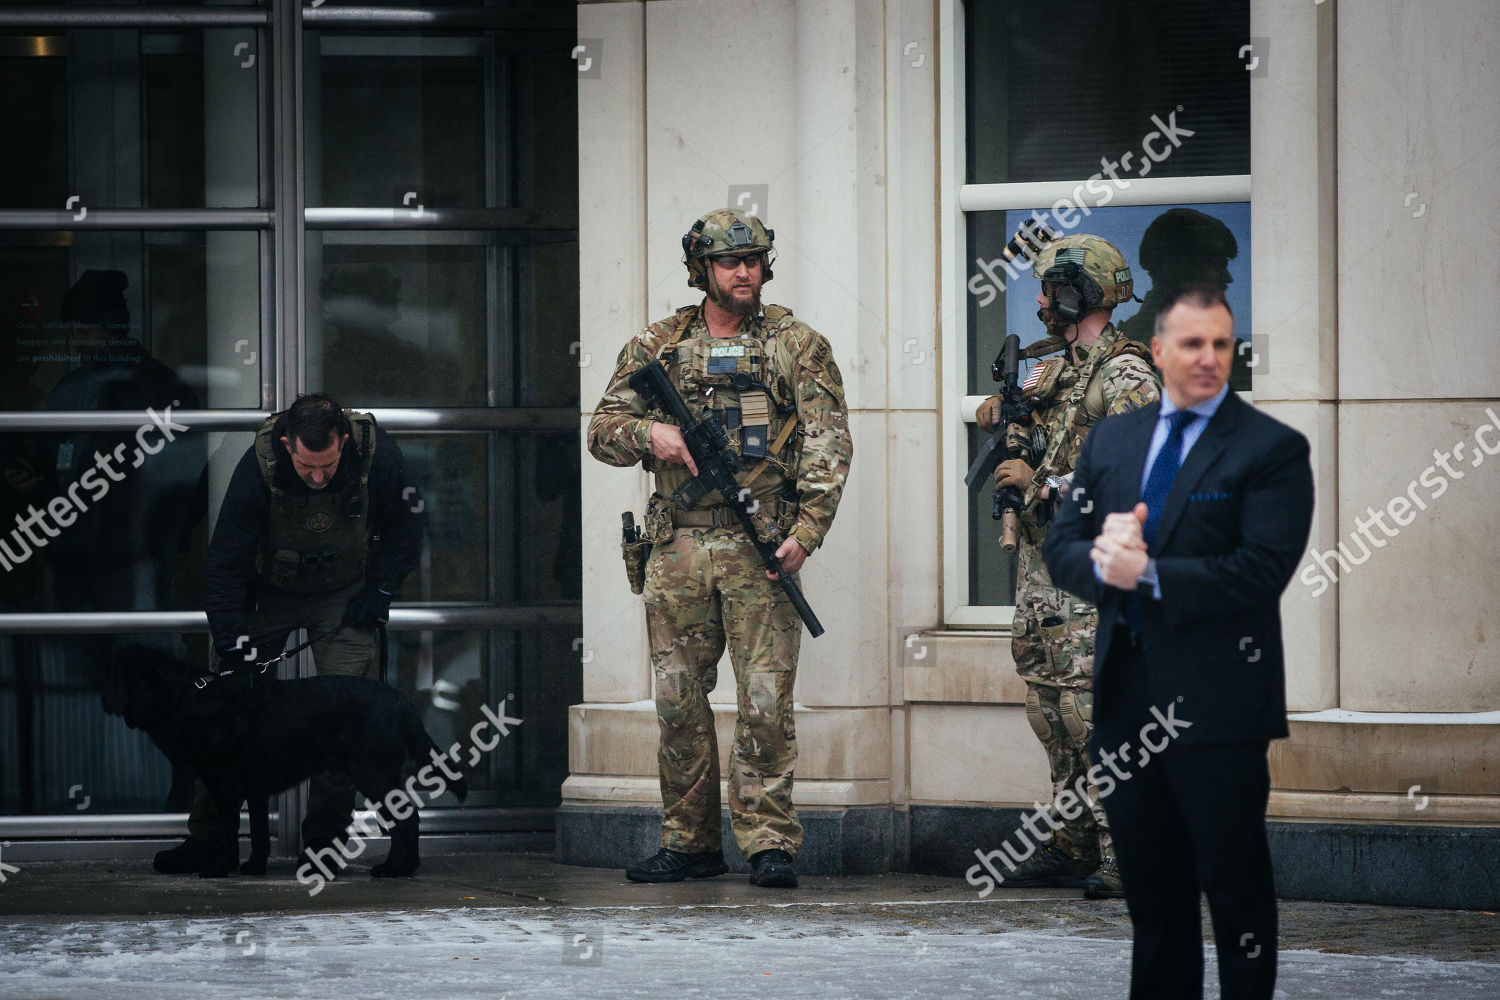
[1099, 260]
[725, 231]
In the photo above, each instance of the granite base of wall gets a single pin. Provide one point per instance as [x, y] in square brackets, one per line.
[851, 841]
[1389, 864]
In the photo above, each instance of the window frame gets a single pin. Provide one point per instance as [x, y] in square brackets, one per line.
[957, 199]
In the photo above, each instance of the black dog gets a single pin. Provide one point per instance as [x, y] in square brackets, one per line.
[249, 742]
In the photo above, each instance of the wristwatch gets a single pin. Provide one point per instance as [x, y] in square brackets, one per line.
[1058, 485]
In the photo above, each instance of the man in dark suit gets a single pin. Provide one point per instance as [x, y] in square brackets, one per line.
[1184, 524]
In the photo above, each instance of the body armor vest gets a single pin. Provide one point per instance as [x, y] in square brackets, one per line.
[316, 540]
[736, 378]
[1069, 400]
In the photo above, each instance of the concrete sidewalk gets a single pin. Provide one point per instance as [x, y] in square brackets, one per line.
[518, 926]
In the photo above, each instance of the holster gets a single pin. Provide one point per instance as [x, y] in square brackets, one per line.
[636, 553]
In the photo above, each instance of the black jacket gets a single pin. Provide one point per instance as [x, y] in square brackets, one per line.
[230, 581]
[1233, 530]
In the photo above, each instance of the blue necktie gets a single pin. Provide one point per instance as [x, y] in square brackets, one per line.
[1158, 485]
[1163, 471]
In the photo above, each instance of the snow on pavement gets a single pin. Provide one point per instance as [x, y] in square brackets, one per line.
[540, 953]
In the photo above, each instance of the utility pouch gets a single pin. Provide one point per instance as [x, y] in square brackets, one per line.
[1054, 632]
[286, 567]
[774, 519]
[755, 418]
[636, 550]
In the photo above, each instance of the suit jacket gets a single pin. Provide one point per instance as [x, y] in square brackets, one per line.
[1233, 530]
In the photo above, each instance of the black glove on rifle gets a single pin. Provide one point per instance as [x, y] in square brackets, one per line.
[369, 608]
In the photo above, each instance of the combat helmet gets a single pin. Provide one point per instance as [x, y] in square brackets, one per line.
[1085, 273]
[725, 231]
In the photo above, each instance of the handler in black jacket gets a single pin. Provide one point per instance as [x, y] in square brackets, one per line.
[319, 526]
[1184, 524]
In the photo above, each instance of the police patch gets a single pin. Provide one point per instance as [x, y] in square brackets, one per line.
[722, 358]
[319, 520]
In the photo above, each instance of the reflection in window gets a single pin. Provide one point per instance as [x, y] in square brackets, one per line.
[1165, 245]
[453, 676]
[125, 118]
[121, 321]
[93, 520]
[1050, 93]
[59, 752]
[507, 500]
[393, 124]
[416, 324]
[400, 325]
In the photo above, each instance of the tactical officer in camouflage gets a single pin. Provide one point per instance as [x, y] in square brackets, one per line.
[1100, 372]
[772, 381]
[319, 526]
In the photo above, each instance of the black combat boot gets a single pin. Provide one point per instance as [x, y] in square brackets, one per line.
[187, 858]
[1105, 883]
[773, 869]
[1050, 868]
[674, 866]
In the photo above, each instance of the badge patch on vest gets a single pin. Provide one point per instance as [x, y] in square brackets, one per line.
[319, 520]
[722, 358]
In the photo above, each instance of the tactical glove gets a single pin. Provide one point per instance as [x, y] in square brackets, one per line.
[369, 608]
[1014, 472]
[987, 416]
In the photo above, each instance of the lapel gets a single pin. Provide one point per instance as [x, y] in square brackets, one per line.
[1205, 452]
[1137, 441]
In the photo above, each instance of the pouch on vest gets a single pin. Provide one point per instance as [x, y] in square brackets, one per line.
[285, 567]
[755, 423]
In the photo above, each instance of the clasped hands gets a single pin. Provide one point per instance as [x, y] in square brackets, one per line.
[668, 445]
[1119, 552]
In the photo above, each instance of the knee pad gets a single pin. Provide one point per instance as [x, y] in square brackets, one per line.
[1034, 715]
[1077, 711]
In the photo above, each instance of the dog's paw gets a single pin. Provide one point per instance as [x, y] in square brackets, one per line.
[254, 866]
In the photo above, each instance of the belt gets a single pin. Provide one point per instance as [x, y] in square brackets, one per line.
[722, 516]
[718, 516]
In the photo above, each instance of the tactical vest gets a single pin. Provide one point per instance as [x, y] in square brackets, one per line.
[1079, 392]
[316, 540]
[739, 380]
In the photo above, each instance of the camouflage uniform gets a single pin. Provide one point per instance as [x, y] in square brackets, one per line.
[1053, 632]
[706, 585]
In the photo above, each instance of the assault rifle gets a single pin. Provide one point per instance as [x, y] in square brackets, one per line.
[717, 466]
[1007, 500]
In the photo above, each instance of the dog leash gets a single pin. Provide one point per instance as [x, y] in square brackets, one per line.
[261, 668]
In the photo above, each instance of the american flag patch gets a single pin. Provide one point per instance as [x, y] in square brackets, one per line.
[1034, 377]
